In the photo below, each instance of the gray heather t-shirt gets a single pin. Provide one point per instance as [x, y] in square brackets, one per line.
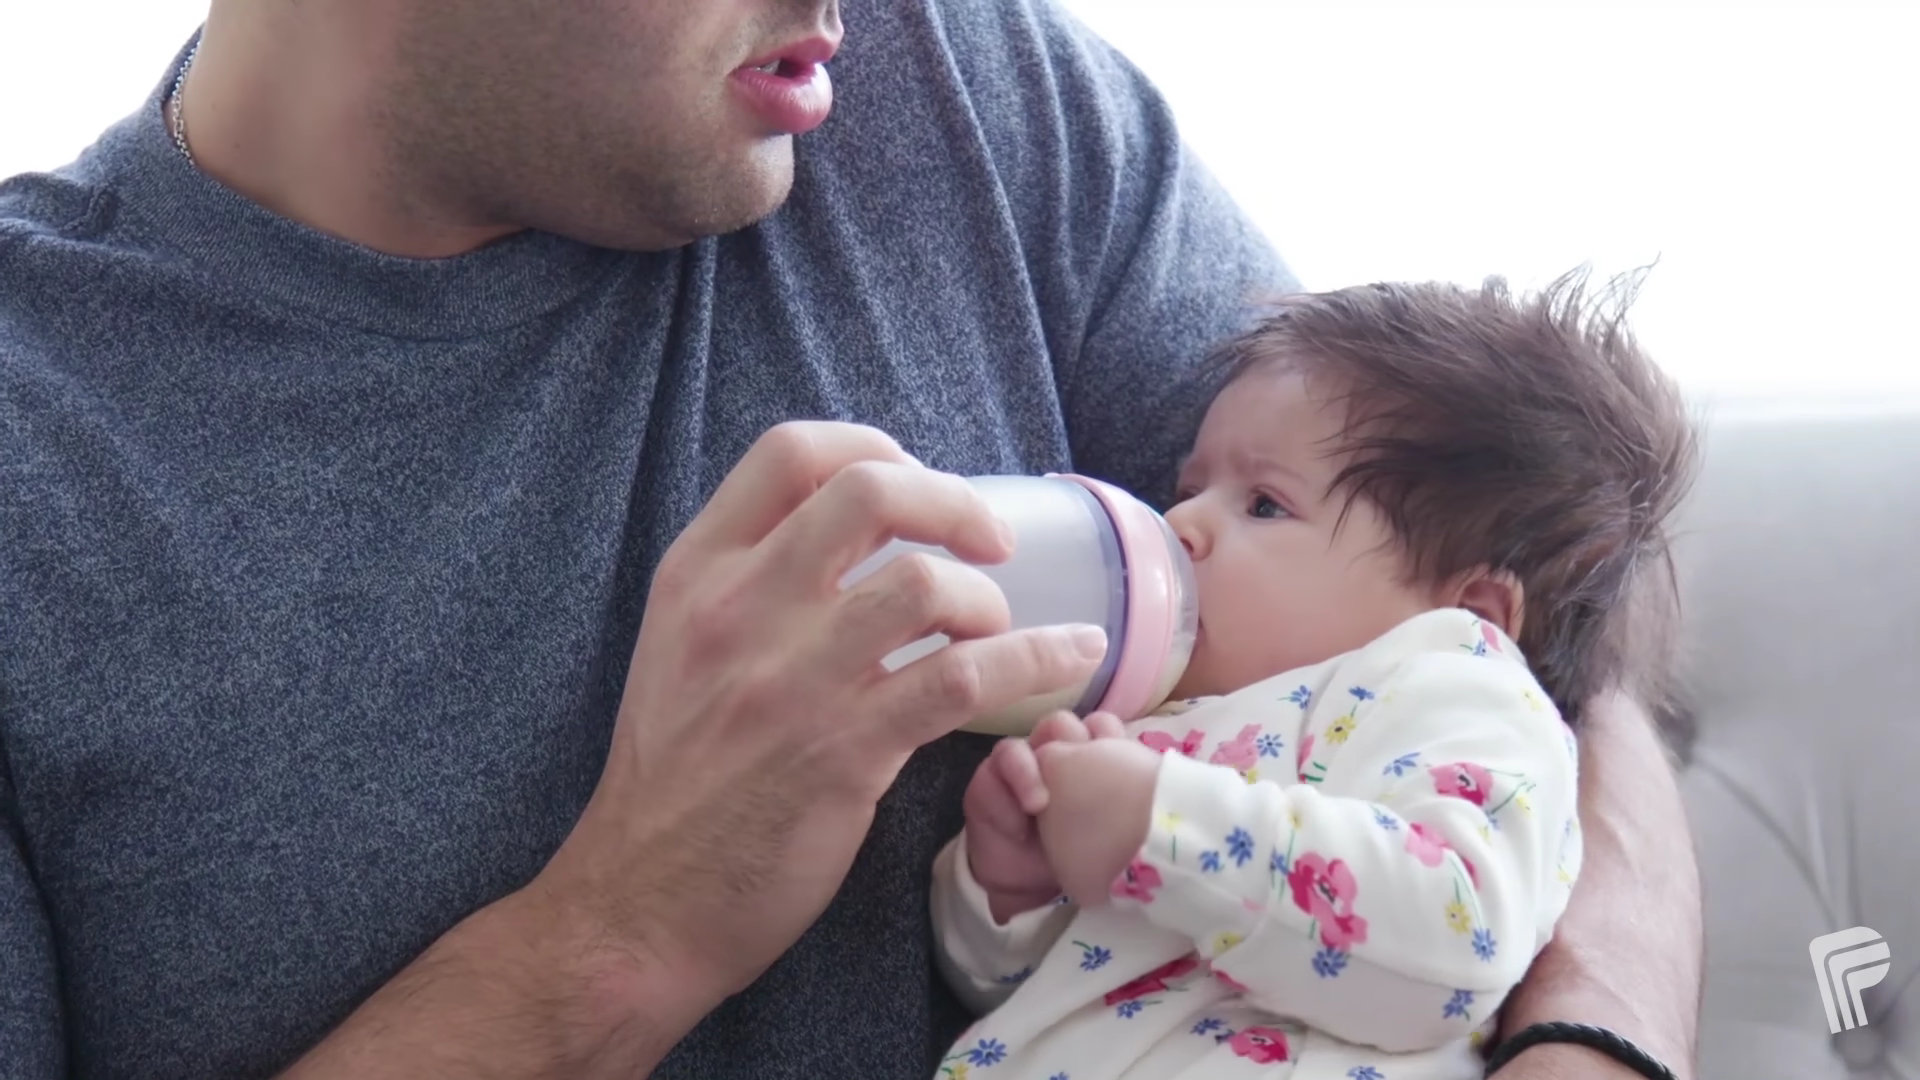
[319, 569]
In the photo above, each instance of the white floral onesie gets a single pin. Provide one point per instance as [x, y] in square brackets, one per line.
[1349, 867]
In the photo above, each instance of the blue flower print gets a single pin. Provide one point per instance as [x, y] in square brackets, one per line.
[1093, 957]
[1400, 765]
[1208, 1025]
[1365, 1072]
[1270, 745]
[1059, 1076]
[1483, 943]
[1456, 1005]
[1210, 862]
[1130, 1009]
[1017, 977]
[1478, 648]
[1301, 696]
[1360, 693]
[987, 1053]
[1329, 962]
[1240, 846]
[1385, 820]
[1277, 863]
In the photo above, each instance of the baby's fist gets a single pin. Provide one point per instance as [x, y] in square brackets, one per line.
[1099, 809]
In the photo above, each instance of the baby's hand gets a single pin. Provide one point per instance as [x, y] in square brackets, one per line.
[1098, 811]
[1003, 846]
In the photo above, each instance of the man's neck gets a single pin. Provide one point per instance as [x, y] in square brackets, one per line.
[296, 132]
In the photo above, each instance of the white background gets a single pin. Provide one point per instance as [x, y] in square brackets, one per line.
[1768, 155]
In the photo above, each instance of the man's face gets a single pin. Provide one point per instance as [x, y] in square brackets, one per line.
[1280, 586]
[628, 123]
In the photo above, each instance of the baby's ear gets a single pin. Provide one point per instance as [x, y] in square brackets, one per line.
[1494, 595]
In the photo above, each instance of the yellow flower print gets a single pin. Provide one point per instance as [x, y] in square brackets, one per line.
[1485, 833]
[1525, 804]
[1341, 728]
[1457, 917]
[960, 1070]
[1293, 818]
[1565, 878]
[1533, 702]
[1167, 821]
[1226, 941]
[1474, 1040]
[1252, 776]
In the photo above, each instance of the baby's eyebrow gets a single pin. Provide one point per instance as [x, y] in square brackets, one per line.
[1251, 462]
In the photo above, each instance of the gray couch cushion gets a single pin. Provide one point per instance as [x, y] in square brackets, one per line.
[1803, 606]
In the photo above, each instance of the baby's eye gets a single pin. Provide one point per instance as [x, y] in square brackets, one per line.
[1265, 506]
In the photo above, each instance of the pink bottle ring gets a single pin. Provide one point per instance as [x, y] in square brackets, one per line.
[1153, 601]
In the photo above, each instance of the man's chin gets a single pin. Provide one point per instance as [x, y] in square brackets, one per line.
[759, 186]
[755, 186]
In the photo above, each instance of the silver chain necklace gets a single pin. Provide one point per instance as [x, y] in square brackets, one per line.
[175, 113]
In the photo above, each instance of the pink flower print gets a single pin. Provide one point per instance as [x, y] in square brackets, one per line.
[1241, 752]
[1230, 982]
[1139, 881]
[1300, 758]
[1491, 636]
[1163, 742]
[1325, 890]
[1425, 846]
[1431, 850]
[1260, 1045]
[1153, 982]
[1464, 780]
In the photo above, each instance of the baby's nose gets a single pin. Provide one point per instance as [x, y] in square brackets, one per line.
[1184, 518]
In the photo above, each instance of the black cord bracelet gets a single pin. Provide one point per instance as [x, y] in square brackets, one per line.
[1596, 1038]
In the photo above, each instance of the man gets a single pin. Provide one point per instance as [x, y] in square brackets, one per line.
[353, 394]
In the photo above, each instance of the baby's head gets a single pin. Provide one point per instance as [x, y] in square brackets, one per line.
[1386, 450]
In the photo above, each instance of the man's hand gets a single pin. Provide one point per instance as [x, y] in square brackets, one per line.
[1098, 812]
[757, 732]
[1003, 845]
[759, 728]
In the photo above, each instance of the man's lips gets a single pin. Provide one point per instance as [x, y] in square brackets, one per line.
[814, 50]
[788, 87]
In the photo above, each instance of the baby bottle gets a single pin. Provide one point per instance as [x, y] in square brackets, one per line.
[1084, 552]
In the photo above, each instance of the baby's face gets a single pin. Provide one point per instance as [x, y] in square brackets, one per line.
[1279, 587]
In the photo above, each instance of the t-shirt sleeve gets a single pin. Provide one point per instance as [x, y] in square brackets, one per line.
[31, 1044]
[1141, 262]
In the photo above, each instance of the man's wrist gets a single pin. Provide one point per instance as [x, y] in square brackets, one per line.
[1564, 1061]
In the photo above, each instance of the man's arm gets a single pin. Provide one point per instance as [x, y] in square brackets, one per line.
[1627, 954]
[525, 989]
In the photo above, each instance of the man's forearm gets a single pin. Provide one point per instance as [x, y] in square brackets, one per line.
[518, 991]
[1627, 955]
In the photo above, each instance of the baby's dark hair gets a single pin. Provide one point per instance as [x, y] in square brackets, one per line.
[1529, 434]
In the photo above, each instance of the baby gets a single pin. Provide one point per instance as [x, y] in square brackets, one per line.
[1425, 523]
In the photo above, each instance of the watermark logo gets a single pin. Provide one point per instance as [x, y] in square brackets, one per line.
[1844, 964]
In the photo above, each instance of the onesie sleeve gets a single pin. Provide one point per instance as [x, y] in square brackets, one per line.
[1396, 887]
[982, 960]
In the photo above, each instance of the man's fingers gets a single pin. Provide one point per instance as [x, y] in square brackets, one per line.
[907, 599]
[942, 690]
[870, 502]
[782, 469]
